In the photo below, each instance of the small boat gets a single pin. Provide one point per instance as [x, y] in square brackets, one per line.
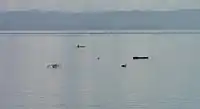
[53, 66]
[140, 57]
[80, 46]
[98, 58]
[124, 65]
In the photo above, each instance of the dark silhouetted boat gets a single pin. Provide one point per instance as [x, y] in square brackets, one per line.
[124, 65]
[80, 46]
[140, 57]
[53, 66]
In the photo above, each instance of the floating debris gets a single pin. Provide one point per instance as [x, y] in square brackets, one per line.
[80, 46]
[53, 66]
[124, 65]
[140, 57]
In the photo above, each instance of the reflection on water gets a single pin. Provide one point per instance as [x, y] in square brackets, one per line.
[92, 77]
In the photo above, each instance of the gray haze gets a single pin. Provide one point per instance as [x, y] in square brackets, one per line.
[117, 20]
[168, 80]
[98, 5]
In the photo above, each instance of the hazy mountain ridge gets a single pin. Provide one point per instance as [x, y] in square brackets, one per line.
[123, 20]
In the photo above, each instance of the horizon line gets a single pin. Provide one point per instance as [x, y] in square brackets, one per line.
[100, 11]
[103, 32]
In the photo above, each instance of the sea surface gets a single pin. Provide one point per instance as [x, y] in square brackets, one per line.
[92, 77]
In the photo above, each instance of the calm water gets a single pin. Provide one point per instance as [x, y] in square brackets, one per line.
[168, 80]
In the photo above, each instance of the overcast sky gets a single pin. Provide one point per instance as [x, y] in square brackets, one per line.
[98, 5]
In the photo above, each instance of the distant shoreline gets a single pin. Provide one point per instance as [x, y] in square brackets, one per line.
[111, 21]
[105, 32]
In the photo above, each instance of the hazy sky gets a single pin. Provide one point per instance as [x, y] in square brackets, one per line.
[97, 5]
